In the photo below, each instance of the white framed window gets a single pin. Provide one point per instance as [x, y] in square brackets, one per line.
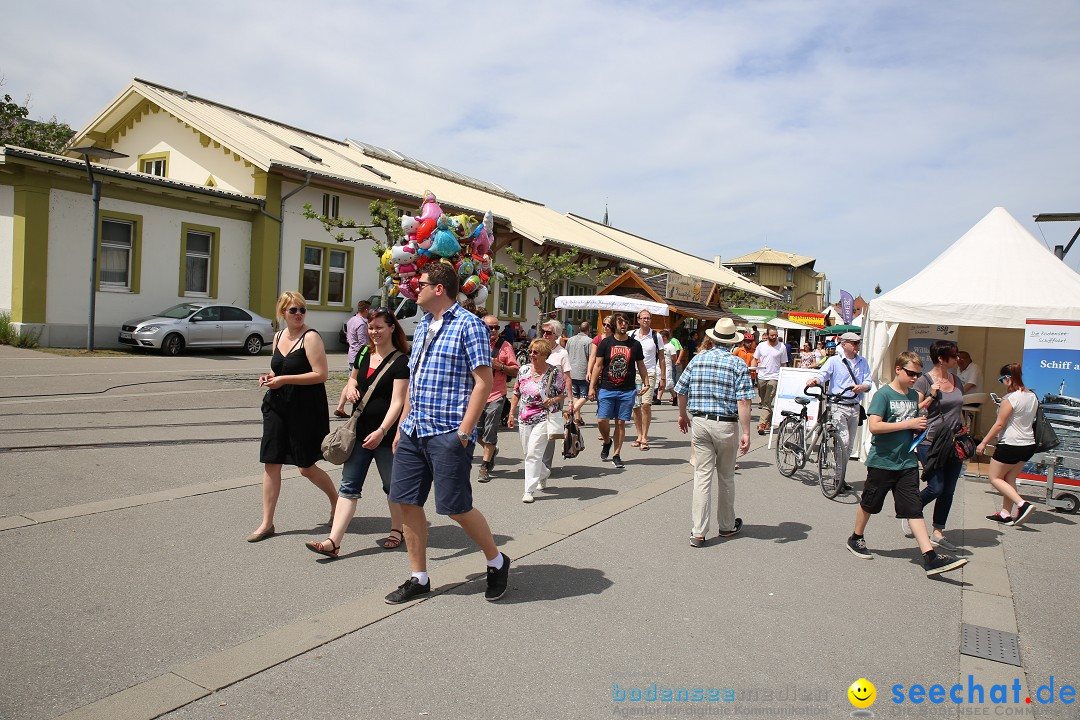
[312, 285]
[117, 238]
[791, 274]
[197, 257]
[337, 267]
[331, 205]
[510, 302]
[155, 164]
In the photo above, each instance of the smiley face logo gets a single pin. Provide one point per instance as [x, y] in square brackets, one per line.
[862, 693]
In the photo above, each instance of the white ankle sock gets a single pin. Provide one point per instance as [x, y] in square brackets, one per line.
[497, 563]
[421, 577]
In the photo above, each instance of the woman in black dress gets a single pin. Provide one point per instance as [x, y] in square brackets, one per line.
[386, 364]
[296, 416]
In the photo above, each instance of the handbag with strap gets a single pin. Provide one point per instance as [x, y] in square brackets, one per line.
[554, 425]
[1045, 437]
[862, 410]
[338, 446]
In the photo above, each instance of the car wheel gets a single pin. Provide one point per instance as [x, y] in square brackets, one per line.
[172, 345]
[253, 345]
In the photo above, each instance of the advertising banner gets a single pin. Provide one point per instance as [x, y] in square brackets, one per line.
[814, 320]
[683, 288]
[847, 307]
[921, 337]
[790, 386]
[1051, 369]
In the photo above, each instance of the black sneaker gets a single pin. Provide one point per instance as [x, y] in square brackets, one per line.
[996, 517]
[1022, 513]
[617, 462]
[738, 527]
[940, 563]
[605, 450]
[407, 591]
[858, 548]
[496, 580]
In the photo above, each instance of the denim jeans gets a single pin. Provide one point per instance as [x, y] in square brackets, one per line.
[940, 486]
[355, 470]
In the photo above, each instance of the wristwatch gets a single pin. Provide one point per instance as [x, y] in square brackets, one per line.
[464, 436]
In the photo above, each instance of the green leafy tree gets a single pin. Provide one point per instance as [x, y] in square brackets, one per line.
[546, 273]
[17, 129]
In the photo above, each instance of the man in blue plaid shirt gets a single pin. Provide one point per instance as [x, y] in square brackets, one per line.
[714, 401]
[449, 384]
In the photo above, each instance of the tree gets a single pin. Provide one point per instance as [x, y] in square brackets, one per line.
[546, 272]
[16, 129]
[384, 215]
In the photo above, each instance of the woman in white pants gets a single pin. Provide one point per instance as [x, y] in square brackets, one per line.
[540, 390]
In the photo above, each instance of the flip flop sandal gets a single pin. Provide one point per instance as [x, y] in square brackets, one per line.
[644, 446]
[317, 547]
[636, 443]
[392, 542]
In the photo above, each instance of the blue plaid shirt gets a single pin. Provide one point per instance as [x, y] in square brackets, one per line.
[714, 381]
[440, 371]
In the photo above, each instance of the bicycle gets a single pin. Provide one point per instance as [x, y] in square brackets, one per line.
[794, 449]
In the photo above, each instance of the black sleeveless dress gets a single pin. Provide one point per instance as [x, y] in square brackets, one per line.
[296, 418]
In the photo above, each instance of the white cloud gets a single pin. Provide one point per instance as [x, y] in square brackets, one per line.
[868, 135]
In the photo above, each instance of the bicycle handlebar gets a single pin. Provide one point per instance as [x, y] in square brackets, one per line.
[830, 397]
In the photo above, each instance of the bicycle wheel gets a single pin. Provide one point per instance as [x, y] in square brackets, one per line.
[789, 446]
[831, 465]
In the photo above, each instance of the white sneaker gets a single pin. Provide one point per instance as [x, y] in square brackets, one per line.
[527, 498]
[540, 485]
[905, 527]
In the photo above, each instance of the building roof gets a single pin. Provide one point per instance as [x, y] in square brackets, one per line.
[271, 145]
[768, 256]
[100, 171]
[658, 284]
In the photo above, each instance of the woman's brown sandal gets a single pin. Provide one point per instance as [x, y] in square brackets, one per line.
[317, 547]
[392, 542]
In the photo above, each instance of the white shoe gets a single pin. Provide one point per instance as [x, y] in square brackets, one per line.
[527, 498]
[905, 527]
[541, 485]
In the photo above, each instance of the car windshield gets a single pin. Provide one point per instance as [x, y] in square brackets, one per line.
[179, 311]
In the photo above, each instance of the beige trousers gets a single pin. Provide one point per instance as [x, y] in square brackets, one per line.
[716, 446]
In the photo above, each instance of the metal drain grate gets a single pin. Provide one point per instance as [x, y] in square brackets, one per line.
[984, 642]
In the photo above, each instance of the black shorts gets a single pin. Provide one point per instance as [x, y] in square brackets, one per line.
[1012, 454]
[905, 489]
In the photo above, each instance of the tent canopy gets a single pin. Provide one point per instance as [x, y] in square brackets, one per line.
[614, 303]
[996, 275]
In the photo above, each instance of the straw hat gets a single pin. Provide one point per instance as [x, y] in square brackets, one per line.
[724, 332]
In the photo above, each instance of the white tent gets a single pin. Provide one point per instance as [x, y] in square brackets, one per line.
[988, 283]
[615, 303]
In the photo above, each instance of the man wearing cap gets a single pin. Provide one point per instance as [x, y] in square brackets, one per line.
[769, 357]
[844, 370]
[714, 406]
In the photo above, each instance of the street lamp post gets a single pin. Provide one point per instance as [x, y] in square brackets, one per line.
[95, 197]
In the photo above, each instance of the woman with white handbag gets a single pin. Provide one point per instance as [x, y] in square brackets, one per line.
[539, 392]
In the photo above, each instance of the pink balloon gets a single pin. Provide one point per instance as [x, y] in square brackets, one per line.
[430, 209]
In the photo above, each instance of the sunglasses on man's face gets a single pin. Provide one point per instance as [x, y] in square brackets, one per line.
[548, 332]
[493, 328]
[301, 310]
[913, 374]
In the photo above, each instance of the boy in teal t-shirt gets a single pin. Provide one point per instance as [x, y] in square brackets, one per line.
[892, 465]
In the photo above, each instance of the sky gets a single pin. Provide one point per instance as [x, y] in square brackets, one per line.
[868, 135]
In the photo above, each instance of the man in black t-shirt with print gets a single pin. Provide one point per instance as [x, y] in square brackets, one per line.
[613, 369]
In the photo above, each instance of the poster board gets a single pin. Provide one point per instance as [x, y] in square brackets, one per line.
[788, 387]
[921, 337]
[1051, 367]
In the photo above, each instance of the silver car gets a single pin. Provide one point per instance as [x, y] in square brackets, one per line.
[199, 324]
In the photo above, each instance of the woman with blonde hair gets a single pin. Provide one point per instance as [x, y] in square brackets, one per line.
[540, 390]
[1016, 415]
[296, 417]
